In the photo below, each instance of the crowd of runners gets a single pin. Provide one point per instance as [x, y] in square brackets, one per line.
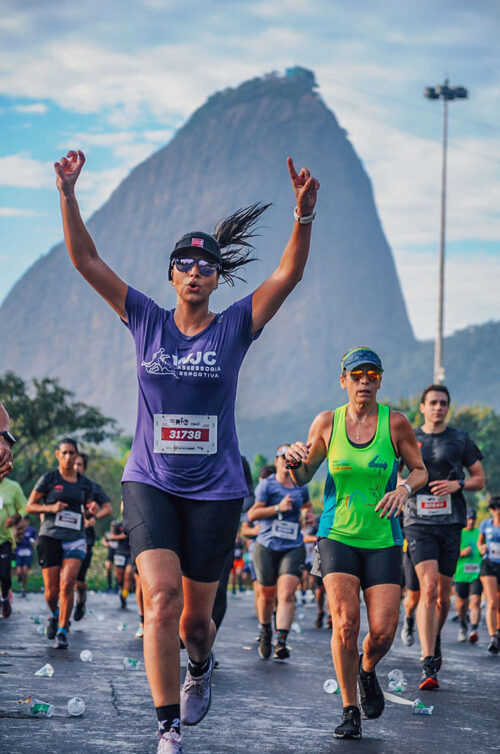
[394, 517]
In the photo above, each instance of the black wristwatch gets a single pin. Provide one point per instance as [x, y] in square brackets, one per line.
[9, 437]
[461, 483]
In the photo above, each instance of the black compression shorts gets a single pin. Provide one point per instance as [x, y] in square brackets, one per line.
[82, 573]
[410, 575]
[466, 588]
[439, 542]
[489, 568]
[51, 551]
[371, 566]
[201, 533]
[271, 564]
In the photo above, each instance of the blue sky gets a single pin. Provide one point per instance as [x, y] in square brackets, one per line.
[117, 80]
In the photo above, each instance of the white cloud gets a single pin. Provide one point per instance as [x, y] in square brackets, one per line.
[17, 212]
[471, 289]
[21, 171]
[37, 108]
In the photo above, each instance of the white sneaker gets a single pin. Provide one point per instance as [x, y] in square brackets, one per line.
[462, 634]
[140, 632]
[169, 743]
[196, 695]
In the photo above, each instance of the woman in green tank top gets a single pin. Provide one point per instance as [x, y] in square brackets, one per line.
[359, 536]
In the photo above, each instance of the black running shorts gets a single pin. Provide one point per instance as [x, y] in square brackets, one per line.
[489, 568]
[271, 564]
[410, 575]
[439, 542]
[51, 551]
[466, 588]
[371, 566]
[201, 533]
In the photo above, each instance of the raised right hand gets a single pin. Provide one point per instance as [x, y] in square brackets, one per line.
[285, 504]
[58, 506]
[68, 170]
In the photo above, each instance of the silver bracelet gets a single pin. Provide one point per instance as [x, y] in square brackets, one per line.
[408, 488]
[305, 220]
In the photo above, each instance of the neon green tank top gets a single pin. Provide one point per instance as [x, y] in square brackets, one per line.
[357, 480]
[468, 567]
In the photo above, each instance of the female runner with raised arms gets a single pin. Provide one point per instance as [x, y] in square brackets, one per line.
[183, 484]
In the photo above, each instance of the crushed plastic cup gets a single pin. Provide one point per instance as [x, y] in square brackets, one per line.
[398, 686]
[39, 708]
[130, 664]
[86, 655]
[331, 686]
[419, 708]
[47, 671]
[295, 627]
[76, 706]
[301, 616]
[40, 630]
[121, 627]
[36, 619]
[99, 616]
[395, 675]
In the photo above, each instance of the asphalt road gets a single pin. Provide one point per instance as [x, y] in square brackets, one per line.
[258, 707]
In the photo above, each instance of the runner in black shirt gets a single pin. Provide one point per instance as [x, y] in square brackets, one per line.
[62, 496]
[103, 501]
[122, 560]
[434, 518]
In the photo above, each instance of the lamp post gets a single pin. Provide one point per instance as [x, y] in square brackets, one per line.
[446, 93]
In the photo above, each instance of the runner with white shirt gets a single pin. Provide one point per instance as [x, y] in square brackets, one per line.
[183, 485]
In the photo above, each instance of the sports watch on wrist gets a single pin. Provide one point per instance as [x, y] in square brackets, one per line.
[9, 437]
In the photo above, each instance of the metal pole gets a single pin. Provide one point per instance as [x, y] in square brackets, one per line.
[438, 350]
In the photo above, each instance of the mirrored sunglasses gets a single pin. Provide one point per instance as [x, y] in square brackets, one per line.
[373, 374]
[184, 264]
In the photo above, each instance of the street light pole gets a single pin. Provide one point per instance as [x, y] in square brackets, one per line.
[447, 93]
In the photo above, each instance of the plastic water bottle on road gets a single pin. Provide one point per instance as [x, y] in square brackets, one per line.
[399, 685]
[395, 675]
[419, 708]
[86, 655]
[76, 706]
[331, 686]
[130, 664]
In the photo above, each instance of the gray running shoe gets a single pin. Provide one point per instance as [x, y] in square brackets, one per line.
[169, 743]
[196, 695]
[407, 632]
[462, 634]
[51, 625]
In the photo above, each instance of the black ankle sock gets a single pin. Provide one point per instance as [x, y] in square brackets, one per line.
[266, 626]
[198, 669]
[169, 716]
[281, 634]
[349, 708]
[463, 624]
[473, 626]
[411, 621]
[141, 619]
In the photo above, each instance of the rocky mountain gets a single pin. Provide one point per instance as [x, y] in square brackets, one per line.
[230, 153]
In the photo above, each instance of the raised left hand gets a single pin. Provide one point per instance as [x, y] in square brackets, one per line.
[444, 486]
[305, 188]
[392, 502]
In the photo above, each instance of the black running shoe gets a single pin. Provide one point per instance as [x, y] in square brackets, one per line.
[350, 727]
[61, 640]
[438, 657]
[79, 610]
[494, 645]
[281, 651]
[370, 693]
[6, 608]
[265, 644]
[51, 627]
[429, 675]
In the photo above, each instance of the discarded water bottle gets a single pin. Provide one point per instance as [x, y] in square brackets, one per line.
[395, 675]
[331, 686]
[40, 709]
[398, 686]
[86, 655]
[36, 619]
[47, 671]
[121, 626]
[40, 630]
[76, 706]
[130, 664]
[99, 616]
[419, 708]
[295, 627]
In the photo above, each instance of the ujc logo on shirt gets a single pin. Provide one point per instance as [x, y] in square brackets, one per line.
[165, 363]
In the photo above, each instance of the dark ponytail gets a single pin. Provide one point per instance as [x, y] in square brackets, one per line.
[233, 236]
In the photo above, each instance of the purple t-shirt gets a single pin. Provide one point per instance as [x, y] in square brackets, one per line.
[185, 440]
